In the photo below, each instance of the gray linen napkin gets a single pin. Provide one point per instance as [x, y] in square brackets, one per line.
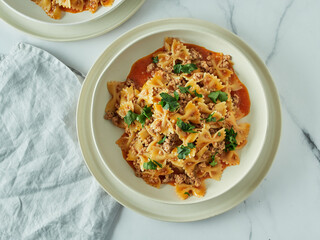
[46, 191]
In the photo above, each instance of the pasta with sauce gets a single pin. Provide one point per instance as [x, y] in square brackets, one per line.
[54, 8]
[179, 109]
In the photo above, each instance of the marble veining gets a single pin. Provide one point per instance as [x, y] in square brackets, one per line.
[276, 39]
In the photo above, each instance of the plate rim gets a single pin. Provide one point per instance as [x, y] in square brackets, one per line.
[214, 28]
[128, 8]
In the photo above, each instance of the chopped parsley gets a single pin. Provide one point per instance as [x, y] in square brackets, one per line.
[188, 68]
[162, 140]
[169, 102]
[230, 140]
[151, 165]
[187, 193]
[146, 113]
[141, 118]
[183, 152]
[191, 145]
[197, 94]
[184, 89]
[186, 127]
[218, 95]
[213, 162]
[210, 118]
[219, 134]
[130, 117]
[221, 119]
[155, 59]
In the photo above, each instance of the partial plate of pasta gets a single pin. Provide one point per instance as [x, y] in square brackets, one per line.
[98, 137]
[62, 12]
[31, 19]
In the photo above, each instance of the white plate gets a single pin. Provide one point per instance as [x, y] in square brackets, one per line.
[237, 182]
[69, 32]
[32, 11]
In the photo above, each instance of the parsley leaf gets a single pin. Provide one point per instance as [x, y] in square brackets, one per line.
[219, 134]
[169, 102]
[213, 162]
[230, 140]
[191, 145]
[184, 89]
[187, 193]
[186, 127]
[146, 113]
[155, 59]
[159, 165]
[221, 119]
[162, 140]
[151, 165]
[197, 94]
[183, 152]
[210, 118]
[130, 117]
[218, 95]
[188, 68]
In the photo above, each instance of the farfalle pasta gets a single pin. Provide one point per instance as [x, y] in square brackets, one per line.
[179, 109]
[54, 8]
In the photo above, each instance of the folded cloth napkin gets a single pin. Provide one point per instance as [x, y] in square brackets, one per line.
[46, 191]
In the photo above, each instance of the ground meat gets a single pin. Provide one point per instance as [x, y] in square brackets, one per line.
[235, 99]
[204, 65]
[174, 83]
[212, 131]
[109, 115]
[148, 140]
[116, 120]
[171, 142]
[150, 67]
[184, 98]
[195, 54]
[168, 178]
[137, 170]
[225, 61]
[180, 178]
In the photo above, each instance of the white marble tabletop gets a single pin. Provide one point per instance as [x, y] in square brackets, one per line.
[286, 35]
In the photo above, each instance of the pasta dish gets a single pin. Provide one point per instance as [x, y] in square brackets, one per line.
[179, 108]
[54, 8]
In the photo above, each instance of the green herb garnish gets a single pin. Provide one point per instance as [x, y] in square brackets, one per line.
[130, 117]
[155, 59]
[183, 152]
[222, 96]
[213, 162]
[210, 118]
[219, 134]
[230, 140]
[169, 102]
[197, 94]
[151, 165]
[187, 193]
[162, 140]
[188, 68]
[146, 113]
[184, 89]
[191, 145]
[186, 127]
[221, 119]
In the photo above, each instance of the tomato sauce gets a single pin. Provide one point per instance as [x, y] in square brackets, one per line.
[139, 75]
